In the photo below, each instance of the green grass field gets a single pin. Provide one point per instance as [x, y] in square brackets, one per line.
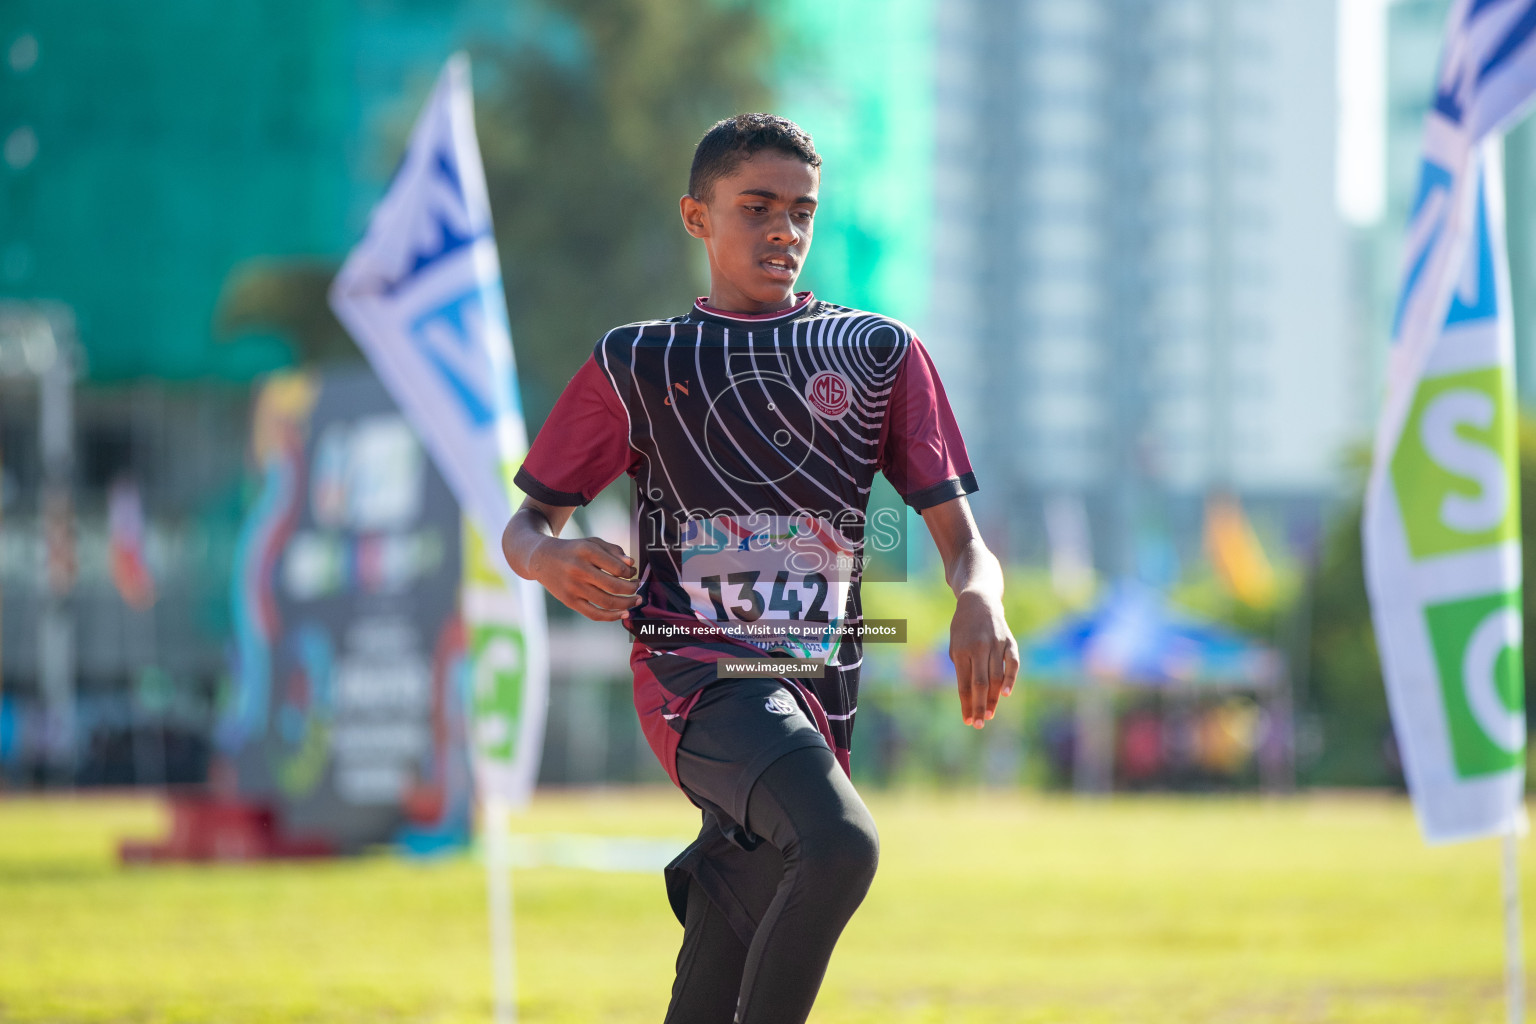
[988, 908]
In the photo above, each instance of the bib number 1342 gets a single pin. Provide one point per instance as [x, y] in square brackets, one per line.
[790, 596]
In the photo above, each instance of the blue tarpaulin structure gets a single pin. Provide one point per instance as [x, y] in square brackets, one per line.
[1133, 637]
[1132, 640]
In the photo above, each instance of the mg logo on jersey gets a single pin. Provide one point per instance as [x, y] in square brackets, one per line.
[828, 393]
[781, 703]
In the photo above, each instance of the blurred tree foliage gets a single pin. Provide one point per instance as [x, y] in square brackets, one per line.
[927, 605]
[910, 730]
[287, 297]
[587, 126]
[1206, 595]
[587, 147]
[1343, 681]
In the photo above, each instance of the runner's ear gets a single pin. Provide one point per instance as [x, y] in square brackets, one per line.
[695, 216]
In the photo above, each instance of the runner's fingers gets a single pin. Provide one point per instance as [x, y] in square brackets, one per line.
[606, 582]
[1010, 666]
[994, 681]
[979, 690]
[608, 601]
[610, 558]
[573, 599]
[598, 614]
[963, 683]
[612, 549]
[965, 676]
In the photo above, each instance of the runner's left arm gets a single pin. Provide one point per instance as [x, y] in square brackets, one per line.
[924, 458]
[981, 645]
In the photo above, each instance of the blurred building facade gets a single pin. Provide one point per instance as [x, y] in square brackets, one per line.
[150, 150]
[149, 154]
[1111, 221]
[1139, 273]
[153, 160]
[853, 77]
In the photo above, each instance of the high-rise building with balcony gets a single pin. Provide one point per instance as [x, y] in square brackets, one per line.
[1139, 272]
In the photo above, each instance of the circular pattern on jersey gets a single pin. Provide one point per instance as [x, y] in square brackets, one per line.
[759, 429]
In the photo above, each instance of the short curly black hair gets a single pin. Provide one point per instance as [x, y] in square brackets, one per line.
[729, 142]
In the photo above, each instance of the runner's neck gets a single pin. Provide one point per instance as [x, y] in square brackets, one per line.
[703, 310]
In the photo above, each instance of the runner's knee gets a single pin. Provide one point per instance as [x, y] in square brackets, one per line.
[805, 805]
[839, 856]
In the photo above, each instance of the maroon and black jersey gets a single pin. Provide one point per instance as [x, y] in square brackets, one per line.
[753, 442]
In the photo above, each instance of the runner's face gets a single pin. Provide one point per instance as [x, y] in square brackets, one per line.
[756, 227]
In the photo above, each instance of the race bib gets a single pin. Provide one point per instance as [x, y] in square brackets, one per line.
[779, 583]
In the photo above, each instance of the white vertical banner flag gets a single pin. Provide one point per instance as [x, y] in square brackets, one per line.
[422, 296]
[1442, 512]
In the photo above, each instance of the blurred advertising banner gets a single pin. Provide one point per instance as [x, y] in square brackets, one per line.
[1442, 516]
[348, 710]
[422, 296]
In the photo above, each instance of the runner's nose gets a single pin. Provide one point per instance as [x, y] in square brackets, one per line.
[783, 232]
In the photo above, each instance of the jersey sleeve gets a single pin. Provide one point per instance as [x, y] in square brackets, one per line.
[921, 451]
[582, 447]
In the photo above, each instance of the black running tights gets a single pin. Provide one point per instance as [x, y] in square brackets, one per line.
[807, 808]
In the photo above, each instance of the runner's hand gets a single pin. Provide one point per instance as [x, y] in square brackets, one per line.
[985, 654]
[589, 575]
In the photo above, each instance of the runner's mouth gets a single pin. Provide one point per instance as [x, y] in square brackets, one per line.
[780, 266]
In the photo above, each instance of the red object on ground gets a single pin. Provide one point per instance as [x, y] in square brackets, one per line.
[1141, 747]
[205, 827]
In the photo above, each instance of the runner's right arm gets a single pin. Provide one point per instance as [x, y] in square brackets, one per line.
[588, 575]
[581, 449]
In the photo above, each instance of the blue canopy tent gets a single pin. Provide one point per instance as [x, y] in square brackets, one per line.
[1133, 640]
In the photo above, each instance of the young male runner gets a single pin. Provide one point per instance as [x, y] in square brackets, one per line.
[753, 426]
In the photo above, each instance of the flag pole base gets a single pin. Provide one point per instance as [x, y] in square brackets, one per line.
[1514, 956]
[498, 889]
